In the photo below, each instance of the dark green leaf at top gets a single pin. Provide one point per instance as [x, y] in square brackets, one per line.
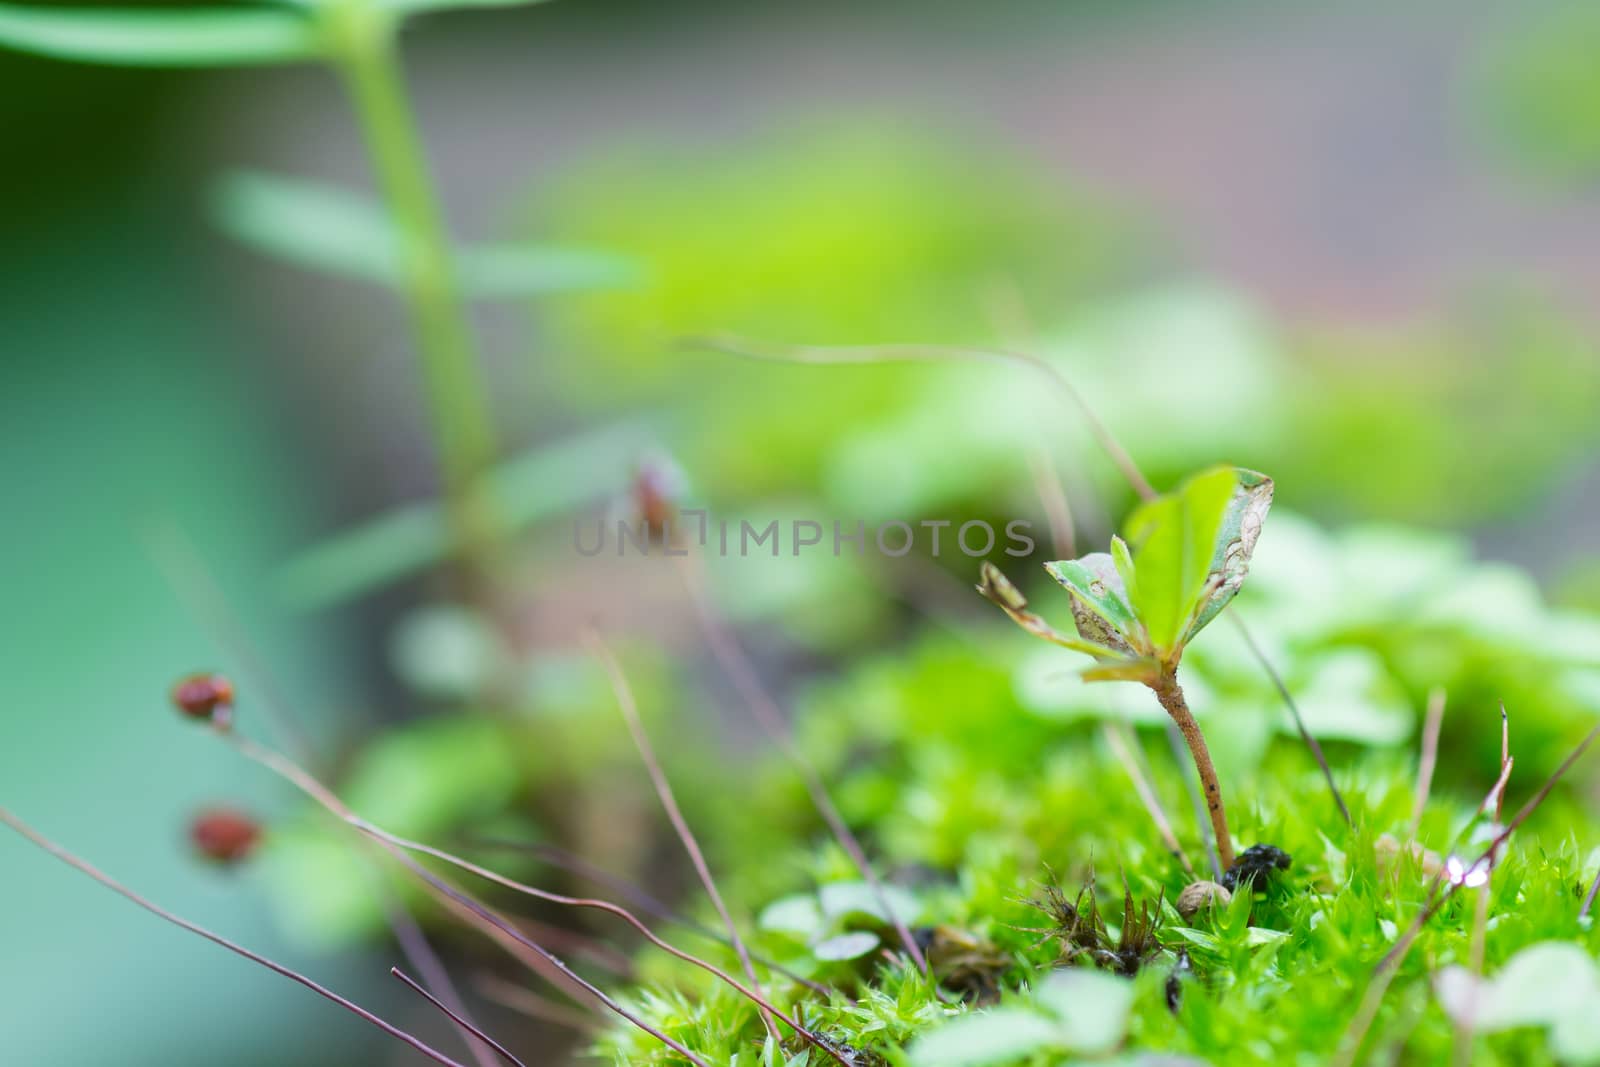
[193, 37]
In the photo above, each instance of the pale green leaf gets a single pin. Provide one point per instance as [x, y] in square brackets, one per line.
[1093, 1008]
[339, 232]
[433, 775]
[849, 946]
[1100, 608]
[1539, 986]
[511, 271]
[194, 37]
[799, 915]
[417, 7]
[842, 900]
[447, 652]
[1142, 669]
[1235, 544]
[1175, 539]
[996, 1036]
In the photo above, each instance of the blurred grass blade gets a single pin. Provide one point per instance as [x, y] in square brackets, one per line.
[507, 271]
[538, 485]
[340, 232]
[417, 7]
[310, 224]
[194, 37]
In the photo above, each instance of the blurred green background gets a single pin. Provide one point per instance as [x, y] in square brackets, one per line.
[1356, 248]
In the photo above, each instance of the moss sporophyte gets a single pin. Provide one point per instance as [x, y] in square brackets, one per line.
[1137, 607]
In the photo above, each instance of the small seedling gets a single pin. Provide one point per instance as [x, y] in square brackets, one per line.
[1137, 607]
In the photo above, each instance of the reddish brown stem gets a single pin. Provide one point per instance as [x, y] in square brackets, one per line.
[112, 884]
[476, 912]
[669, 804]
[1170, 693]
[770, 718]
[399, 847]
[457, 1018]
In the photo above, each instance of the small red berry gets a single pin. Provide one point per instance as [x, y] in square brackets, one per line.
[205, 696]
[224, 836]
[656, 489]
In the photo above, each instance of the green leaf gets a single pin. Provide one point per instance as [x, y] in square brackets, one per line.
[1142, 670]
[1100, 608]
[1235, 543]
[433, 775]
[1539, 986]
[195, 37]
[417, 7]
[841, 900]
[339, 232]
[799, 915]
[1188, 547]
[1093, 1008]
[996, 1036]
[512, 271]
[849, 946]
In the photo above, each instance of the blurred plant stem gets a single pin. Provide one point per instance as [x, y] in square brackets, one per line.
[362, 38]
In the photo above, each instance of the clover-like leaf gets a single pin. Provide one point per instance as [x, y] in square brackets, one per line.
[1191, 549]
[1235, 544]
[164, 37]
[1100, 607]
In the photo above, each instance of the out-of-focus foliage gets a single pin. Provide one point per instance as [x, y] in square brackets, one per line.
[1544, 89]
[861, 235]
[335, 231]
[195, 37]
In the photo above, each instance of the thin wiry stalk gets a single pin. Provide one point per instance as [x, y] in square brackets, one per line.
[771, 720]
[904, 353]
[197, 588]
[1294, 711]
[1384, 972]
[641, 899]
[290, 772]
[457, 1018]
[1431, 725]
[584, 902]
[1147, 796]
[527, 1002]
[399, 847]
[669, 803]
[420, 955]
[195, 584]
[1461, 1052]
[112, 884]
[1058, 513]
[1588, 898]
